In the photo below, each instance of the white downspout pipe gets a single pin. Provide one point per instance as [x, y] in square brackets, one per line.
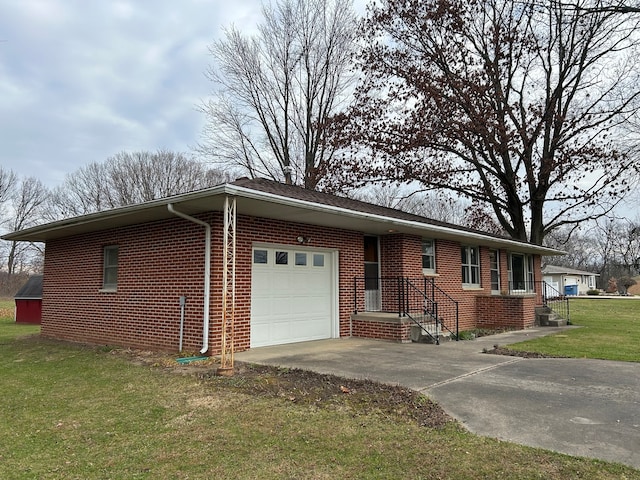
[207, 273]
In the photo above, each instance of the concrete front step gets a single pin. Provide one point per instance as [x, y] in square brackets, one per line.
[545, 317]
[419, 335]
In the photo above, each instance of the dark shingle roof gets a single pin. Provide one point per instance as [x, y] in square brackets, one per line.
[299, 193]
[31, 289]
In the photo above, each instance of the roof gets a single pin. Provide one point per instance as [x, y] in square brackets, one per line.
[31, 290]
[557, 270]
[269, 199]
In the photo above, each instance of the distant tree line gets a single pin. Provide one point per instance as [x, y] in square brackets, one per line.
[123, 179]
[609, 247]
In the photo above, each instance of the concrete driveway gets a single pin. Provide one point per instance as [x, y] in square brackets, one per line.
[581, 407]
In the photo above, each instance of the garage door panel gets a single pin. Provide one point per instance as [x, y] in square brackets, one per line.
[292, 302]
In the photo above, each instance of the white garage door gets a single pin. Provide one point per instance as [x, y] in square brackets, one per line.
[291, 295]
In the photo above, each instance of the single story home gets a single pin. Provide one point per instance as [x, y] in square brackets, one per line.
[258, 263]
[29, 301]
[569, 281]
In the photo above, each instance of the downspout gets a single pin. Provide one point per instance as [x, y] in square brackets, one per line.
[207, 273]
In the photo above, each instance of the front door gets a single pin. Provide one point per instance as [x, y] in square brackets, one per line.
[371, 275]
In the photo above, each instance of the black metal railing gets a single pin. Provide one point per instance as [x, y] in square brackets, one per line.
[555, 300]
[546, 295]
[419, 299]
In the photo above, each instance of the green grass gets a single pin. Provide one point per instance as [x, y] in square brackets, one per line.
[71, 412]
[8, 329]
[610, 330]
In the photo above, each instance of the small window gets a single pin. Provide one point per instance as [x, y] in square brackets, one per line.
[318, 260]
[428, 256]
[494, 265]
[110, 267]
[260, 256]
[301, 259]
[282, 258]
[470, 266]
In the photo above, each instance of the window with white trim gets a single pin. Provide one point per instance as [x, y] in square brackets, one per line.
[470, 259]
[494, 265]
[428, 256]
[110, 268]
[521, 273]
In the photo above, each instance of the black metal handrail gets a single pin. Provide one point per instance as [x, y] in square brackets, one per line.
[420, 299]
[546, 295]
[431, 309]
[555, 300]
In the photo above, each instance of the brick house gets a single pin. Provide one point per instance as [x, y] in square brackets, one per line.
[283, 264]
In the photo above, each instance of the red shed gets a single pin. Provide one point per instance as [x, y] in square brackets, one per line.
[29, 301]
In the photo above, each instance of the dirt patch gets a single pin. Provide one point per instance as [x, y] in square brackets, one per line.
[498, 350]
[332, 392]
[304, 387]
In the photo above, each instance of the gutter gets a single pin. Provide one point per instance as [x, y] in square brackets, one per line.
[207, 273]
[392, 222]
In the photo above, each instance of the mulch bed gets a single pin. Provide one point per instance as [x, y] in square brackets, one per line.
[329, 391]
[360, 397]
[498, 350]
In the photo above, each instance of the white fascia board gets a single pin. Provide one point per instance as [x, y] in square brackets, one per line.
[113, 213]
[432, 229]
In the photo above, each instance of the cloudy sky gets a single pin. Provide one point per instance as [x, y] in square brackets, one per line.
[82, 80]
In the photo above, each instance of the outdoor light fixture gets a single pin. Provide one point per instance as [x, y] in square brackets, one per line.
[302, 239]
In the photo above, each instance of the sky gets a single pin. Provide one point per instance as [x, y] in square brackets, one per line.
[81, 80]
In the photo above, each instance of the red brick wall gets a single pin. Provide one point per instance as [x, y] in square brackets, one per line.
[401, 256]
[449, 279]
[395, 331]
[159, 262]
[506, 311]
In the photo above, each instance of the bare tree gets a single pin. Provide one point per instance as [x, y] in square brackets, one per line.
[524, 106]
[609, 247]
[624, 283]
[431, 205]
[275, 91]
[26, 205]
[128, 178]
[7, 185]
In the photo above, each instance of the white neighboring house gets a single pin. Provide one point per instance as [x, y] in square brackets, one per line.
[569, 280]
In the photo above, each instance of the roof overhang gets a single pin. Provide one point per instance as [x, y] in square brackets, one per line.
[267, 205]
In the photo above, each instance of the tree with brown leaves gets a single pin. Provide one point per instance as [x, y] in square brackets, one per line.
[524, 106]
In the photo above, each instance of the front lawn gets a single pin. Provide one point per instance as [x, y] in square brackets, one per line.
[610, 330]
[72, 411]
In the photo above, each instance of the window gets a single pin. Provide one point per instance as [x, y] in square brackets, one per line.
[301, 259]
[494, 262]
[282, 258]
[521, 273]
[260, 256]
[428, 256]
[110, 268]
[470, 266]
[318, 260]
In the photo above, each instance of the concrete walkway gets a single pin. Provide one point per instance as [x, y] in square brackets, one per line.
[580, 407]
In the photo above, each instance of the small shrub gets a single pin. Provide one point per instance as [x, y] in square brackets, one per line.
[466, 335]
[593, 292]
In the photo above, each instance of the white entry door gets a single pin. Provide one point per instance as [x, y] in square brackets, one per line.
[292, 295]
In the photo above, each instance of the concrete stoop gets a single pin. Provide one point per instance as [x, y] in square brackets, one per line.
[545, 317]
[418, 334]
